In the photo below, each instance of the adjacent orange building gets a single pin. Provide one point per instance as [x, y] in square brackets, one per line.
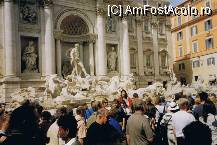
[194, 39]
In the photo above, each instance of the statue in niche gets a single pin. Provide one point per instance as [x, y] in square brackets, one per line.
[112, 59]
[148, 60]
[28, 14]
[163, 59]
[111, 26]
[78, 67]
[29, 57]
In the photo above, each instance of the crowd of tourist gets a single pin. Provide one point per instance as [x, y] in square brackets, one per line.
[186, 120]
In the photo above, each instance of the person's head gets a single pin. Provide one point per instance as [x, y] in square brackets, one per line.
[24, 119]
[148, 101]
[96, 106]
[213, 99]
[197, 133]
[102, 116]
[124, 94]
[104, 102]
[173, 107]
[183, 103]
[46, 116]
[135, 95]
[177, 96]
[203, 96]
[80, 111]
[61, 111]
[92, 103]
[138, 105]
[85, 106]
[67, 127]
[197, 101]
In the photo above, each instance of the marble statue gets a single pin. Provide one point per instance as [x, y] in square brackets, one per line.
[148, 60]
[78, 67]
[54, 86]
[112, 59]
[29, 58]
[163, 60]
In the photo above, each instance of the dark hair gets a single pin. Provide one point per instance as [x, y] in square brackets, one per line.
[80, 111]
[135, 95]
[125, 96]
[197, 133]
[68, 122]
[24, 120]
[203, 96]
[92, 103]
[46, 115]
[96, 106]
[208, 107]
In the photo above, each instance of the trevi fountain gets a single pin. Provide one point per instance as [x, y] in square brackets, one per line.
[79, 87]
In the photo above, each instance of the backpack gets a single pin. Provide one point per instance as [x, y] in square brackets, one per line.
[161, 137]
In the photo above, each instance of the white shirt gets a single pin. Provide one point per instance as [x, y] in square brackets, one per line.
[180, 120]
[160, 109]
[71, 141]
[52, 133]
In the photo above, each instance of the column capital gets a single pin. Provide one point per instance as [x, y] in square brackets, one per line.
[46, 3]
[100, 12]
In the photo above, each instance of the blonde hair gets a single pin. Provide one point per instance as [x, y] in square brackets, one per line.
[213, 99]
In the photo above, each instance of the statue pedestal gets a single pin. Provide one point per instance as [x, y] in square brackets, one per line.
[113, 73]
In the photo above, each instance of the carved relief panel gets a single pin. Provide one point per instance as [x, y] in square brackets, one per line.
[28, 12]
[111, 24]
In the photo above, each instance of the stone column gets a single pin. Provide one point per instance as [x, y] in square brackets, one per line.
[169, 45]
[81, 51]
[9, 41]
[155, 48]
[125, 62]
[140, 48]
[101, 48]
[49, 39]
[59, 57]
[91, 58]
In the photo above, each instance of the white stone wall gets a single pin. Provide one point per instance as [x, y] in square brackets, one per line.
[139, 42]
[204, 71]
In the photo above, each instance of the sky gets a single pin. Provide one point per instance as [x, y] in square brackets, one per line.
[176, 2]
[172, 2]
